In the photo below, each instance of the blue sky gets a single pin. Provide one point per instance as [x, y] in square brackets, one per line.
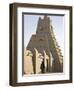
[30, 25]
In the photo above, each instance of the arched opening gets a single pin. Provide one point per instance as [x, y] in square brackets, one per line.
[47, 63]
[42, 67]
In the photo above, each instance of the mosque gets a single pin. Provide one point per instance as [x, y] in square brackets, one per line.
[43, 54]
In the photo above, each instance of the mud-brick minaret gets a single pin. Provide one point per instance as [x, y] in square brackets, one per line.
[44, 41]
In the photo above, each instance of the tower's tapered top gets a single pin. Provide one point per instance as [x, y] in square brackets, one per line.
[44, 25]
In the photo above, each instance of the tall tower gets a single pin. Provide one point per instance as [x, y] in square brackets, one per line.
[44, 40]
